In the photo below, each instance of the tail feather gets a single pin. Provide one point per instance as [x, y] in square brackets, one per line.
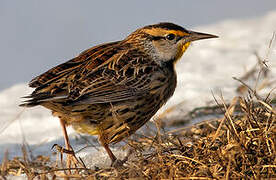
[38, 99]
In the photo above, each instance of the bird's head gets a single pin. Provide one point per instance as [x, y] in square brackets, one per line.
[165, 41]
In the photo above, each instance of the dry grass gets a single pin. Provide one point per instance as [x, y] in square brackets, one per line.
[239, 145]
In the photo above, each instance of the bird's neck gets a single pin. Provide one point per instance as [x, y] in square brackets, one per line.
[181, 50]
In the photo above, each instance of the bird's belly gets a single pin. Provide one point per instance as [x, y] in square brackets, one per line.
[121, 119]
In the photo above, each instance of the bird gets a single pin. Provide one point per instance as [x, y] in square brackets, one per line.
[113, 89]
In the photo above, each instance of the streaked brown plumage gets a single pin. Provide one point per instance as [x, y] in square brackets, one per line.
[113, 89]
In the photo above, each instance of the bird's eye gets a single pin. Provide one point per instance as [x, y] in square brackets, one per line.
[170, 36]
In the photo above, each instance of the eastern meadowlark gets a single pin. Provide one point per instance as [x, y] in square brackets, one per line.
[113, 89]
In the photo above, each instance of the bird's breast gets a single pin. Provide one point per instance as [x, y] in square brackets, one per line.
[165, 85]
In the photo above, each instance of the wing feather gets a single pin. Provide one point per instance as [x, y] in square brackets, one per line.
[67, 67]
[104, 74]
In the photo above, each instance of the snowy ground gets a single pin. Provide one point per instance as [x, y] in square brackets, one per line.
[207, 66]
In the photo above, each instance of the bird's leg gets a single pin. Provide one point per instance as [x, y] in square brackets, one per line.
[71, 158]
[108, 150]
[114, 161]
[65, 135]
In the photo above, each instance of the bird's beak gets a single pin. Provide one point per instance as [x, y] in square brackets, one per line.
[194, 36]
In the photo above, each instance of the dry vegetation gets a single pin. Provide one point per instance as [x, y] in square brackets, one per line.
[239, 144]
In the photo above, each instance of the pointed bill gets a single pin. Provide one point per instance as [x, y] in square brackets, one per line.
[194, 36]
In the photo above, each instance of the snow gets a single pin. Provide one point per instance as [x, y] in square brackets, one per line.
[208, 65]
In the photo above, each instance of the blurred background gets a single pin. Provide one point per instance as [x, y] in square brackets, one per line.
[37, 35]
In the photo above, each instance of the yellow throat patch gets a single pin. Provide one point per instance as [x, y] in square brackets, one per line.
[181, 50]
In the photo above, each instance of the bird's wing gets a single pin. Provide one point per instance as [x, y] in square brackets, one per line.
[63, 69]
[119, 80]
[107, 75]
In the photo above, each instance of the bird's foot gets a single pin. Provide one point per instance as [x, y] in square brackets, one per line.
[72, 161]
[118, 163]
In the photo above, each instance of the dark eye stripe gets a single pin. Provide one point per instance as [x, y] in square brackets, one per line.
[156, 38]
[178, 38]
